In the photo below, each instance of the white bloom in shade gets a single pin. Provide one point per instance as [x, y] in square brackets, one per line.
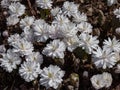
[29, 70]
[104, 58]
[55, 49]
[71, 43]
[69, 30]
[117, 69]
[117, 12]
[70, 8]
[55, 11]
[10, 61]
[88, 42]
[5, 3]
[79, 17]
[51, 76]
[41, 30]
[23, 47]
[111, 2]
[112, 44]
[107, 78]
[61, 20]
[17, 9]
[12, 20]
[35, 56]
[84, 27]
[97, 81]
[44, 4]
[26, 23]
[14, 39]
[101, 80]
[53, 32]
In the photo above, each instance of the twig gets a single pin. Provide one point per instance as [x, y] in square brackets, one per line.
[31, 9]
[12, 85]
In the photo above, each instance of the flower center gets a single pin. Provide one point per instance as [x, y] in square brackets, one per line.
[50, 75]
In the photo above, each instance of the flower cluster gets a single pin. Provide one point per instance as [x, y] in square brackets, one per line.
[67, 30]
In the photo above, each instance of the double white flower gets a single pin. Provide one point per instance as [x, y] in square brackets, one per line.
[29, 70]
[17, 9]
[101, 80]
[10, 60]
[88, 42]
[51, 76]
[104, 58]
[55, 49]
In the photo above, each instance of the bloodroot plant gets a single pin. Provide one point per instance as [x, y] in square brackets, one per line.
[42, 41]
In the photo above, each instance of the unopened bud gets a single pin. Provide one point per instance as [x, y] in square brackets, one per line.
[5, 33]
[85, 74]
[117, 30]
[74, 79]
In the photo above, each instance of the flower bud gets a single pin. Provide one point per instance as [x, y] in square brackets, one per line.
[74, 79]
[5, 33]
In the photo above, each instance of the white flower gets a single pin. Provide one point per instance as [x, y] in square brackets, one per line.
[101, 80]
[55, 11]
[44, 4]
[10, 61]
[79, 17]
[69, 30]
[54, 32]
[5, 3]
[104, 58]
[17, 9]
[107, 79]
[55, 49]
[61, 20]
[23, 47]
[88, 42]
[84, 27]
[117, 12]
[51, 76]
[97, 81]
[41, 30]
[70, 8]
[26, 23]
[112, 44]
[35, 56]
[14, 39]
[29, 70]
[71, 43]
[12, 20]
[111, 2]
[117, 69]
